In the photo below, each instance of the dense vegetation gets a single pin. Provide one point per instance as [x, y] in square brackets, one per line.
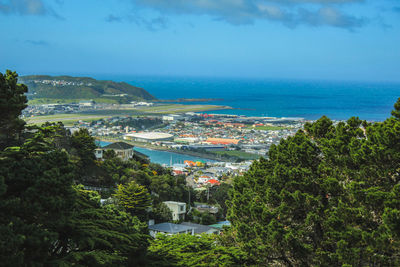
[328, 196]
[83, 88]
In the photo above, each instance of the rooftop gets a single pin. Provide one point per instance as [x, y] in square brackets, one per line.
[174, 202]
[171, 228]
[150, 135]
[119, 145]
[199, 228]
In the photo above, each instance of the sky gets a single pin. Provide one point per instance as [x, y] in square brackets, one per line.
[291, 39]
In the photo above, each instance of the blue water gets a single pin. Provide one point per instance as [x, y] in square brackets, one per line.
[162, 157]
[279, 98]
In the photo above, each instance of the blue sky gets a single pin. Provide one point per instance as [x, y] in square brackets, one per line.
[291, 39]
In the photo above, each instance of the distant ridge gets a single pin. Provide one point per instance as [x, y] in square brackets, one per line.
[67, 87]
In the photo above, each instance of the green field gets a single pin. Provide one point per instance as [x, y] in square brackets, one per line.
[239, 154]
[178, 108]
[70, 119]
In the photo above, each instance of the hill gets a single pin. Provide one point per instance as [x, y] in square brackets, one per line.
[67, 87]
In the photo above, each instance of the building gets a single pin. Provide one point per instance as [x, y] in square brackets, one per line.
[178, 209]
[172, 117]
[149, 137]
[98, 153]
[200, 229]
[122, 149]
[170, 229]
[222, 141]
[87, 103]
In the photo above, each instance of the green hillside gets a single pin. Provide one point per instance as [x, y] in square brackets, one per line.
[67, 87]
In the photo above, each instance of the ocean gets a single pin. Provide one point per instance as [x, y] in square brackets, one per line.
[371, 101]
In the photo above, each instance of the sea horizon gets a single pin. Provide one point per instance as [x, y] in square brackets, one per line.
[308, 99]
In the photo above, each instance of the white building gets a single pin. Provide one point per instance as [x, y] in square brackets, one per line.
[178, 209]
[149, 137]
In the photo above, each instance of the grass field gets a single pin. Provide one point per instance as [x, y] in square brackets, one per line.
[177, 108]
[70, 119]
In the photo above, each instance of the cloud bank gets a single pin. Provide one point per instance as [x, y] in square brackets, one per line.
[288, 12]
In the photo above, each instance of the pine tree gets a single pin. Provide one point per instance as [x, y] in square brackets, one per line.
[134, 198]
[12, 102]
[327, 196]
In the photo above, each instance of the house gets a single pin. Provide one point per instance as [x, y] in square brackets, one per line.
[200, 229]
[178, 209]
[213, 182]
[206, 208]
[220, 225]
[121, 149]
[203, 179]
[170, 229]
[98, 153]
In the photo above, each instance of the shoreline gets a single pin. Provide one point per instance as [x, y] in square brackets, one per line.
[151, 147]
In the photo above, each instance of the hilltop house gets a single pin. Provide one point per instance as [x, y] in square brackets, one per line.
[121, 149]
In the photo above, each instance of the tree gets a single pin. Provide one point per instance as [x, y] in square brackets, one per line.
[396, 111]
[327, 196]
[134, 198]
[101, 236]
[84, 145]
[12, 102]
[161, 213]
[36, 203]
[219, 195]
[188, 250]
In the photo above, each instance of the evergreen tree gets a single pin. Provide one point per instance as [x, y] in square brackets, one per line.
[36, 203]
[161, 213]
[325, 197]
[101, 236]
[12, 102]
[187, 250]
[396, 111]
[84, 145]
[134, 198]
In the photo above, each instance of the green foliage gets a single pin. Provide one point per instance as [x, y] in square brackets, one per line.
[101, 236]
[84, 144]
[161, 213]
[396, 111]
[12, 102]
[36, 203]
[188, 250]
[45, 221]
[204, 218]
[325, 197]
[169, 188]
[219, 195]
[134, 198]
